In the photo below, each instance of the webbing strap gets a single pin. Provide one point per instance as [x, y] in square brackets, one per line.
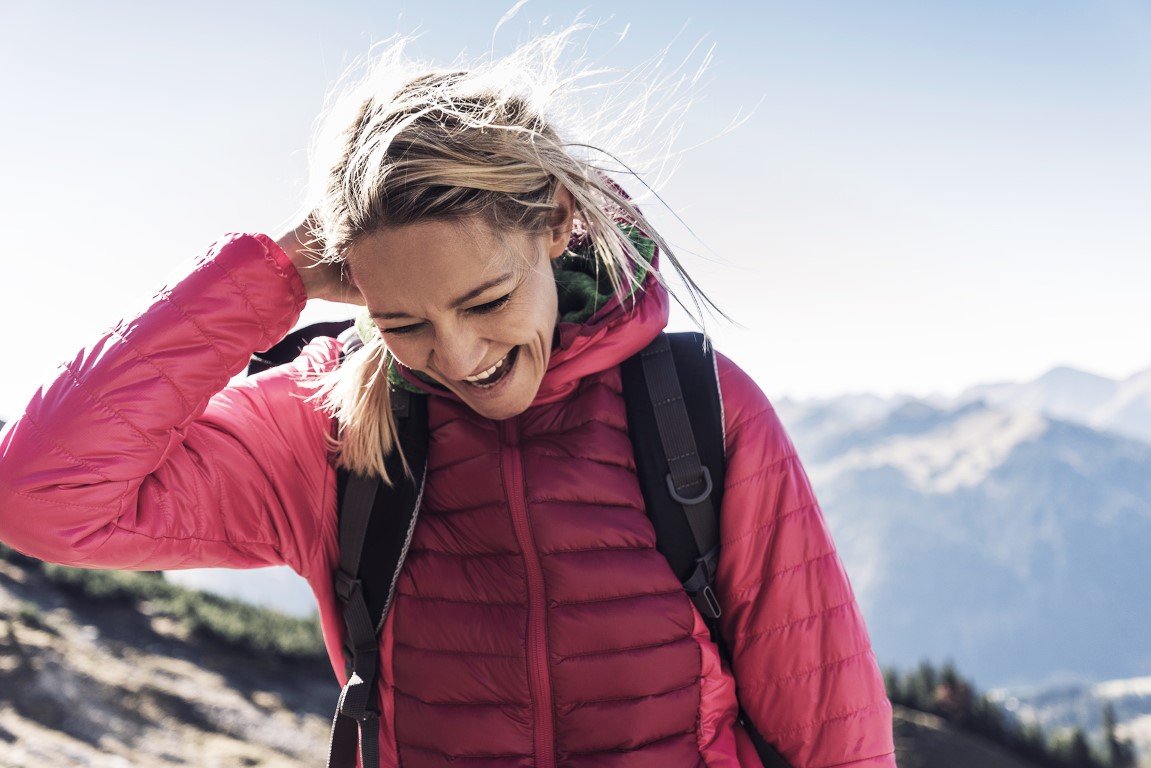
[690, 484]
[353, 718]
[355, 712]
[688, 481]
[356, 510]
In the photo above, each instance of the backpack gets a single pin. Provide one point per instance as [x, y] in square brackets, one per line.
[674, 409]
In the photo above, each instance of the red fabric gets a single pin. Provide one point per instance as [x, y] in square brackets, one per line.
[535, 624]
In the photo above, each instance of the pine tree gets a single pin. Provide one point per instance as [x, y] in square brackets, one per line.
[954, 698]
[1078, 751]
[1120, 753]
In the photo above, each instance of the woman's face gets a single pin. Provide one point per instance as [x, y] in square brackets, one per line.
[472, 308]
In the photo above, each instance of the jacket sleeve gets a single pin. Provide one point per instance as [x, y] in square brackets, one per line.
[139, 456]
[802, 658]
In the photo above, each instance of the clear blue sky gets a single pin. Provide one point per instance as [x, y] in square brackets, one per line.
[926, 196]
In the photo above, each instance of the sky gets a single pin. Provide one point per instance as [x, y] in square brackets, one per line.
[916, 197]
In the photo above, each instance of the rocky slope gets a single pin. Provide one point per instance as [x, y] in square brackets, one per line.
[86, 683]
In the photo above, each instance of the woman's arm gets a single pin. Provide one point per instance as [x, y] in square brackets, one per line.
[803, 663]
[137, 456]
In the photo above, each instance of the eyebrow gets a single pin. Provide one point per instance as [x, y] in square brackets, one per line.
[473, 293]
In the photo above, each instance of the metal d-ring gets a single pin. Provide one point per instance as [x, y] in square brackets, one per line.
[695, 499]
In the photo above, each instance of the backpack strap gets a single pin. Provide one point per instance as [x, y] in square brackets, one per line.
[288, 348]
[370, 510]
[384, 514]
[671, 389]
[357, 717]
[679, 454]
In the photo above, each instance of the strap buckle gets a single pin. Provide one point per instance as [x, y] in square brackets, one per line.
[354, 700]
[707, 487]
[699, 585]
[707, 603]
[347, 585]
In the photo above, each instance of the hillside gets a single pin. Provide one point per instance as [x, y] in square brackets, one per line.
[927, 741]
[99, 683]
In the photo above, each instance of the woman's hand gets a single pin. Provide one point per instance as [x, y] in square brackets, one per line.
[322, 280]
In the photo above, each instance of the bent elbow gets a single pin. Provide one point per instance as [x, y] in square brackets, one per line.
[48, 510]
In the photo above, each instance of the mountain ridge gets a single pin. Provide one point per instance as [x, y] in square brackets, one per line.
[1003, 516]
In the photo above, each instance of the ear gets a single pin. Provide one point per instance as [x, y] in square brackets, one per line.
[559, 230]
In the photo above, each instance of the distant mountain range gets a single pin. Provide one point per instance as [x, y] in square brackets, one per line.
[1122, 407]
[1006, 529]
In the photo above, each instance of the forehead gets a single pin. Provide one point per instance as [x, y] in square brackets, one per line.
[432, 257]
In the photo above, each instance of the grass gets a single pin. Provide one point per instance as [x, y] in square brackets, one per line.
[235, 623]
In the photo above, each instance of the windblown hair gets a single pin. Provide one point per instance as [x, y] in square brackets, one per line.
[449, 145]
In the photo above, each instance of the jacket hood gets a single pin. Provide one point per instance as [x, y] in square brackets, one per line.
[597, 329]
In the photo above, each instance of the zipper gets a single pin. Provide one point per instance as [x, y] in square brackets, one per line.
[404, 550]
[539, 678]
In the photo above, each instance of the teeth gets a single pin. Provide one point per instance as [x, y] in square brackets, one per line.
[489, 372]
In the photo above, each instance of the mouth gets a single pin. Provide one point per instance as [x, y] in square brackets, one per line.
[496, 373]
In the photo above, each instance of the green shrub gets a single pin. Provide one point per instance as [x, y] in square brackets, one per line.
[232, 622]
[127, 587]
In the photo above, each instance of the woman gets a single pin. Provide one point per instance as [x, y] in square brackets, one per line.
[534, 623]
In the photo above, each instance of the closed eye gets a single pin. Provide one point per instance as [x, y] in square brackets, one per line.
[403, 329]
[480, 309]
[491, 306]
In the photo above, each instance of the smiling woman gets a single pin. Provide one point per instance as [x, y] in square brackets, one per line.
[535, 620]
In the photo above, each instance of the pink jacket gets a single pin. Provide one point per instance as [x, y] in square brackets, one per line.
[534, 624]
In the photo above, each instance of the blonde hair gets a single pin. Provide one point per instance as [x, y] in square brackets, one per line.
[454, 144]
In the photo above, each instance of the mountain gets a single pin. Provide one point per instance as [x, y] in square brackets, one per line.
[1008, 541]
[1120, 406]
[1063, 391]
[86, 682]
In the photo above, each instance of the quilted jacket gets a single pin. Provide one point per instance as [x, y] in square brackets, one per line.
[535, 624]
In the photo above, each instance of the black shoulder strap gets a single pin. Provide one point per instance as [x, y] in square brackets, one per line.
[386, 515]
[369, 510]
[675, 419]
[288, 348]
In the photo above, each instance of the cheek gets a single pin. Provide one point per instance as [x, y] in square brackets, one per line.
[406, 352]
[545, 300]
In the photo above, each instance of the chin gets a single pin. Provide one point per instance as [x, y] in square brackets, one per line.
[501, 409]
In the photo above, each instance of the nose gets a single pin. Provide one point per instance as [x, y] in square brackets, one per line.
[457, 353]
